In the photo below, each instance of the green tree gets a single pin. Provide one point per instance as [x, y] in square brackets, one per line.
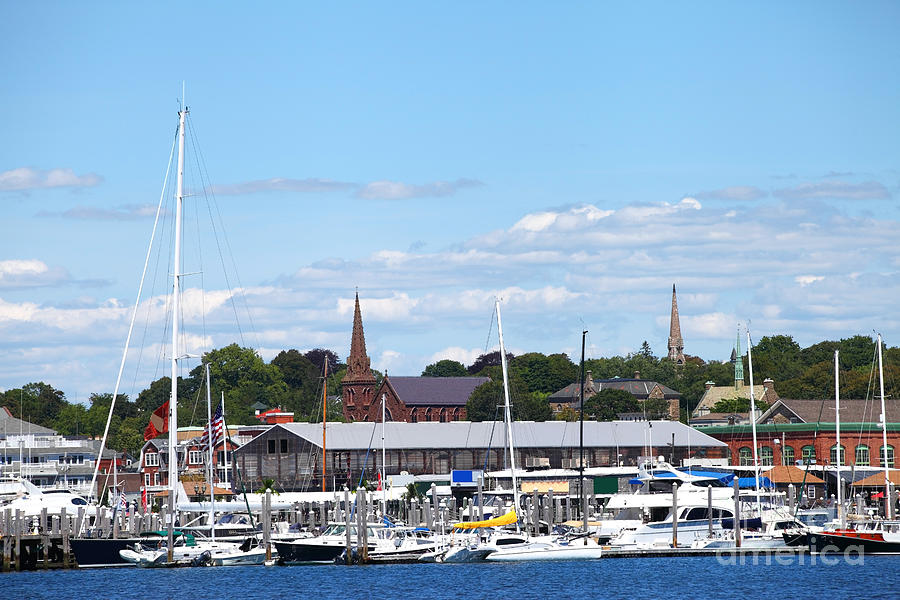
[71, 420]
[545, 374]
[244, 378]
[491, 359]
[609, 403]
[37, 403]
[482, 404]
[776, 357]
[304, 381]
[532, 407]
[445, 368]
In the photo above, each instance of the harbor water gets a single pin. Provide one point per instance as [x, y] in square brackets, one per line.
[869, 577]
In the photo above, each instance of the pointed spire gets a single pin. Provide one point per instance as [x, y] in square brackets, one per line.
[676, 343]
[738, 359]
[358, 365]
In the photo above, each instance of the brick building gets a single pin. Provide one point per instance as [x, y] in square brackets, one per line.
[804, 430]
[408, 399]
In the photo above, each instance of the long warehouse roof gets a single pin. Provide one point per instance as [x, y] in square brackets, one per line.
[484, 434]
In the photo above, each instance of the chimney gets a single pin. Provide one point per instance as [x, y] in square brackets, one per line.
[589, 383]
[637, 374]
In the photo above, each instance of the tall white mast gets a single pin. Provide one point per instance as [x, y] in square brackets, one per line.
[837, 430]
[888, 501]
[508, 416]
[383, 459]
[753, 425]
[209, 445]
[176, 290]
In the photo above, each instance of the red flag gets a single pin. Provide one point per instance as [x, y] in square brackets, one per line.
[144, 498]
[159, 422]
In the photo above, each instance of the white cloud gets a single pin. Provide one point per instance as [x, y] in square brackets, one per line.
[461, 355]
[126, 212]
[29, 273]
[396, 190]
[805, 280]
[282, 184]
[869, 190]
[25, 178]
[735, 192]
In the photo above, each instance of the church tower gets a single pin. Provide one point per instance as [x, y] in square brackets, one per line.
[676, 343]
[738, 360]
[358, 383]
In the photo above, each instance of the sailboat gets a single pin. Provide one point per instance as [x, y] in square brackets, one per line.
[503, 546]
[188, 550]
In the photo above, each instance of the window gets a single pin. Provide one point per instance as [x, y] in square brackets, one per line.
[220, 457]
[862, 455]
[787, 455]
[413, 417]
[766, 456]
[195, 457]
[272, 447]
[151, 459]
[890, 456]
[284, 446]
[746, 456]
[808, 454]
[156, 478]
[146, 479]
[833, 458]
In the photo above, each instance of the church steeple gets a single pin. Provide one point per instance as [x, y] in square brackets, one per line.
[676, 343]
[358, 365]
[358, 384]
[738, 360]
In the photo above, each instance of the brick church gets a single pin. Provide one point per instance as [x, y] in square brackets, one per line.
[409, 399]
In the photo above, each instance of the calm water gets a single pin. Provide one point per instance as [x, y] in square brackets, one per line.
[644, 578]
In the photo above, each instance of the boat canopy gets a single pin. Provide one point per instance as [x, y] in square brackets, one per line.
[750, 482]
[507, 519]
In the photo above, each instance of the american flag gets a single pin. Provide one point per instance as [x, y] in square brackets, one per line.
[217, 426]
[123, 504]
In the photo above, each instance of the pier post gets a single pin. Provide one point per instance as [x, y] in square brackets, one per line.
[551, 505]
[792, 497]
[79, 521]
[364, 530]
[64, 530]
[737, 513]
[584, 506]
[20, 525]
[709, 510]
[348, 554]
[674, 515]
[434, 507]
[45, 537]
[7, 538]
[535, 512]
[267, 520]
[480, 490]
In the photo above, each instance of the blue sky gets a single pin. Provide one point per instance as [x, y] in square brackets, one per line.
[576, 160]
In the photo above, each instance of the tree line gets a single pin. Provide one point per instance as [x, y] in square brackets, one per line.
[294, 381]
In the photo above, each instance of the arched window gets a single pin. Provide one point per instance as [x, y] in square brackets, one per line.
[746, 456]
[766, 456]
[890, 456]
[442, 416]
[833, 457]
[808, 454]
[787, 455]
[413, 416]
[862, 456]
